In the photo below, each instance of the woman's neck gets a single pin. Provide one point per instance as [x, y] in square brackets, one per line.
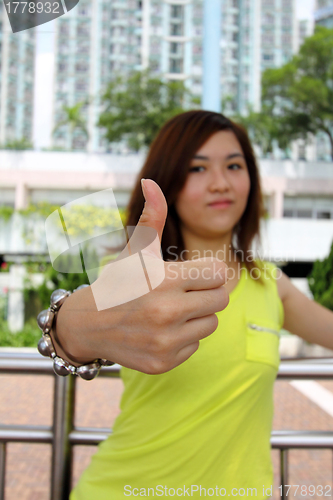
[220, 248]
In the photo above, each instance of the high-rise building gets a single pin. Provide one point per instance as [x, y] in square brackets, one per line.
[279, 32]
[16, 81]
[305, 29]
[94, 41]
[99, 38]
[324, 13]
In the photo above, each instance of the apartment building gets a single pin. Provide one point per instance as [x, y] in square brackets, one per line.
[16, 82]
[324, 13]
[99, 39]
[93, 42]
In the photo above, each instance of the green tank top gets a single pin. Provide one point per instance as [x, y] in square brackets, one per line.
[204, 426]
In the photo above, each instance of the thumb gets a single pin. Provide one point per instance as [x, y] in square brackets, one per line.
[147, 233]
[155, 209]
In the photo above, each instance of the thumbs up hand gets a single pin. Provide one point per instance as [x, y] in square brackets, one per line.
[151, 325]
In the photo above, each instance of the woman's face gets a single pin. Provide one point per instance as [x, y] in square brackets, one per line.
[217, 187]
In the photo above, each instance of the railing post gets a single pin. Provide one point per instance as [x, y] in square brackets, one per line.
[63, 423]
[284, 471]
[2, 470]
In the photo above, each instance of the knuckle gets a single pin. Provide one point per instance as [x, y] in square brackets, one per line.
[156, 366]
[225, 297]
[162, 313]
[214, 322]
[210, 325]
[160, 345]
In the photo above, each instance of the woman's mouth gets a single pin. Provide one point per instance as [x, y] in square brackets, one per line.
[220, 204]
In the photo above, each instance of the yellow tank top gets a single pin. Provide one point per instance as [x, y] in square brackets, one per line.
[203, 428]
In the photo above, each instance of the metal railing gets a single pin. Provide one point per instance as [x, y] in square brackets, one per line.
[63, 434]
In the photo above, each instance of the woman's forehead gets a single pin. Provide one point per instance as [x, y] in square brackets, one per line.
[222, 143]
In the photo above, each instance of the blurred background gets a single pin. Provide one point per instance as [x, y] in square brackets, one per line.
[82, 98]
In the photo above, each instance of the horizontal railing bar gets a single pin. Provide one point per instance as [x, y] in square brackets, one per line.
[302, 439]
[309, 369]
[88, 436]
[93, 436]
[25, 434]
[26, 366]
[31, 365]
[28, 363]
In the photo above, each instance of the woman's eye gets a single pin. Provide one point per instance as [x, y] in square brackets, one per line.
[195, 169]
[234, 165]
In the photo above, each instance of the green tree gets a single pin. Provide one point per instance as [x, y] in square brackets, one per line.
[261, 127]
[73, 119]
[299, 95]
[137, 107]
[321, 281]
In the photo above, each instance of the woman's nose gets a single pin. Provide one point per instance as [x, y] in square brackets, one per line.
[218, 181]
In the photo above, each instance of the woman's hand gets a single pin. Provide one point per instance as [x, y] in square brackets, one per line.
[158, 330]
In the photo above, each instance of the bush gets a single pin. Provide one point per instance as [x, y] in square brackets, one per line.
[28, 337]
[321, 281]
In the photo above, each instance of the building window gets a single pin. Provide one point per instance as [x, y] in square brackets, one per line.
[83, 49]
[81, 68]
[324, 215]
[83, 30]
[81, 86]
[176, 29]
[268, 19]
[154, 65]
[268, 39]
[286, 39]
[176, 65]
[62, 67]
[64, 29]
[176, 48]
[176, 12]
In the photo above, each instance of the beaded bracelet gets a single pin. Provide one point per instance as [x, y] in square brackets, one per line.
[45, 320]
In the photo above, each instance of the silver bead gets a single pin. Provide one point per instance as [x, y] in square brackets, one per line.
[61, 367]
[106, 362]
[58, 297]
[88, 372]
[45, 320]
[80, 287]
[45, 346]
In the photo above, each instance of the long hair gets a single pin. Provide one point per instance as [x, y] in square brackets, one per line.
[167, 163]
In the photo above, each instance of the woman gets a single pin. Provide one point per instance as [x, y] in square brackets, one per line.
[203, 428]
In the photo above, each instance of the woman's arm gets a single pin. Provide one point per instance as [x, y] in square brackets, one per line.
[305, 317]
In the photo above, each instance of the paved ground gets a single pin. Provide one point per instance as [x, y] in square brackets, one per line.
[27, 400]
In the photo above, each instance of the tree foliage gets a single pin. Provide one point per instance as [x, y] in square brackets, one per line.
[321, 281]
[261, 127]
[136, 107]
[73, 119]
[18, 144]
[299, 95]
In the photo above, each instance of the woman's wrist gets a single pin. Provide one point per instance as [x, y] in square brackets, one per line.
[50, 345]
[63, 353]
[73, 320]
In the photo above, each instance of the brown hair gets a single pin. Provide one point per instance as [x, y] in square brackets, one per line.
[167, 164]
